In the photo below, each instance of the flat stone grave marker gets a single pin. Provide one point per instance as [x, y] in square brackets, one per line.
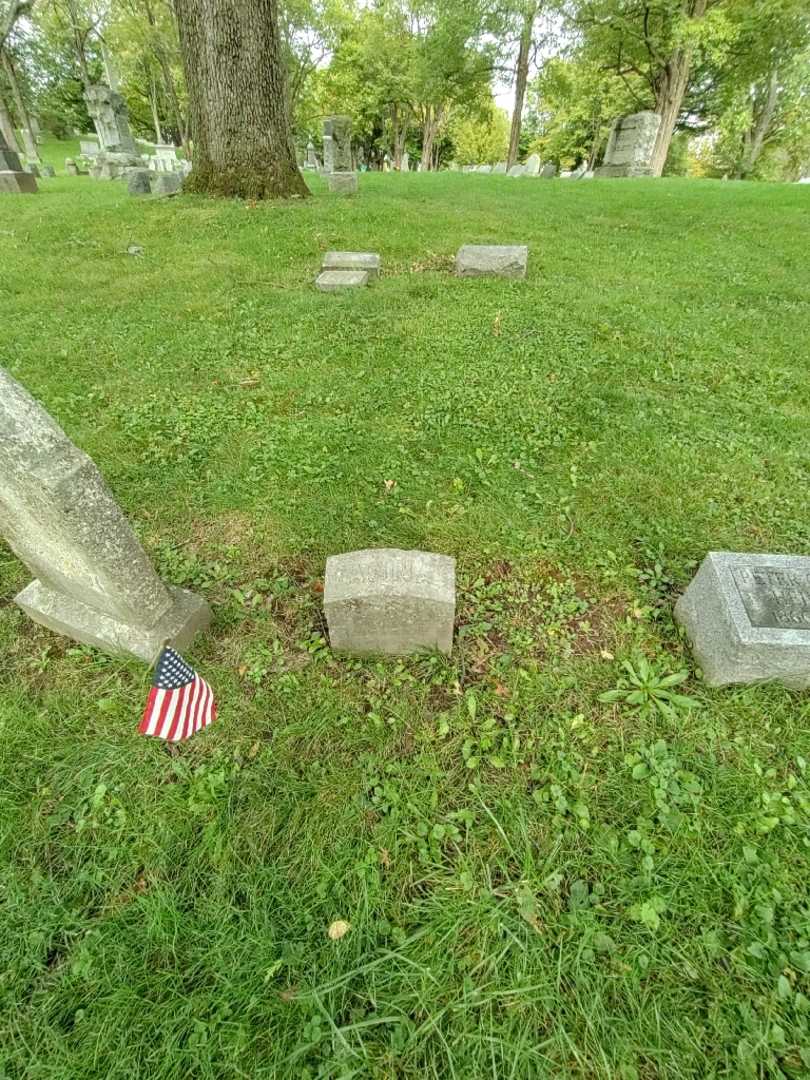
[748, 618]
[94, 582]
[334, 280]
[386, 600]
[479, 260]
[352, 260]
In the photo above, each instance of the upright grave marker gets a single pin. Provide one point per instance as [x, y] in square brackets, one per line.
[748, 618]
[385, 600]
[94, 581]
[337, 155]
[630, 146]
[14, 180]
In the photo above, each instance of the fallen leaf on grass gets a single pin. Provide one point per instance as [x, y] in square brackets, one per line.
[339, 929]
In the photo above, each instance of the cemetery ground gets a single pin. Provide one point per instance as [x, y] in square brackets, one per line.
[537, 882]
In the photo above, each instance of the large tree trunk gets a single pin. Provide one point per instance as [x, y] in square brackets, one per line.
[430, 129]
[31, 151]
[521, 78]
[670, 88]
[755, 136]
[238, 99]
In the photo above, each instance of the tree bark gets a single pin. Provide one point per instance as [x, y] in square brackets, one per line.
[31, 151]
[670, 85]
[756, 134]
[238, 99]
[430, 129]
[521, 78]
[153, 101]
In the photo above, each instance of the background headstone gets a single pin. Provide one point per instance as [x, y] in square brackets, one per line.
[748, 618]
[500, 167]
[337, 144]
[167, 184]
[630, 146]
[390, 601]
[549, 170]
[405, 163]
[342, 183]
[139, 181]
[94, 581]
[533, 165]
[517, 170]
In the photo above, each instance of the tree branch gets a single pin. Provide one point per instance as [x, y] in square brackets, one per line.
[7, 21]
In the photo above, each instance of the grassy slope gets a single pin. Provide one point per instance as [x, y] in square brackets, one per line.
[599, 894]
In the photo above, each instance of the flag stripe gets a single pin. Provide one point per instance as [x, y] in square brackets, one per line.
[179, 713]
[165, 705]
[193, 692]
[201, 706]
[205, 719]
[149, 714]
[188, 727]
[167, 718]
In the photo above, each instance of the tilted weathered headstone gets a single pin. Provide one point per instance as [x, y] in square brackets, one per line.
[352, 260]
[9, 159]
[94, 581]
[33, 168]
[335, 280]
[517, 170]
[167, 184]
[337, 155]
[385, 600]
[14, 180]
[549, 171]
[533, 165]
[18, 183]
[71, 168]
[139, 181]
[482, 260]
[630, 146]
[118, 149]
[748, 618]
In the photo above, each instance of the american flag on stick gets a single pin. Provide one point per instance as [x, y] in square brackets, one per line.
[179, 703]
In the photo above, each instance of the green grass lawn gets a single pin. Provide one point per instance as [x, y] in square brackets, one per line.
[539, 884]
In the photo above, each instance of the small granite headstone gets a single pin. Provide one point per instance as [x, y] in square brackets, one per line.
[485, 168]
[517, 170]
[352, 260]
[533, 165]
[549, 170]
[748, 618]
[480, 260]
[18, 183]
[167, 184]
[71, 168]
[47, 170]
[500, 167]
[94, 581]
[342, 183]
[335, 280]
[390, 601]
[139, 181]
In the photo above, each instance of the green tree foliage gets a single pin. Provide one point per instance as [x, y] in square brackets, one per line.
[480, 139]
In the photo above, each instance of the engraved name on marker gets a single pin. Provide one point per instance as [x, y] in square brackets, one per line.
[774, 598]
